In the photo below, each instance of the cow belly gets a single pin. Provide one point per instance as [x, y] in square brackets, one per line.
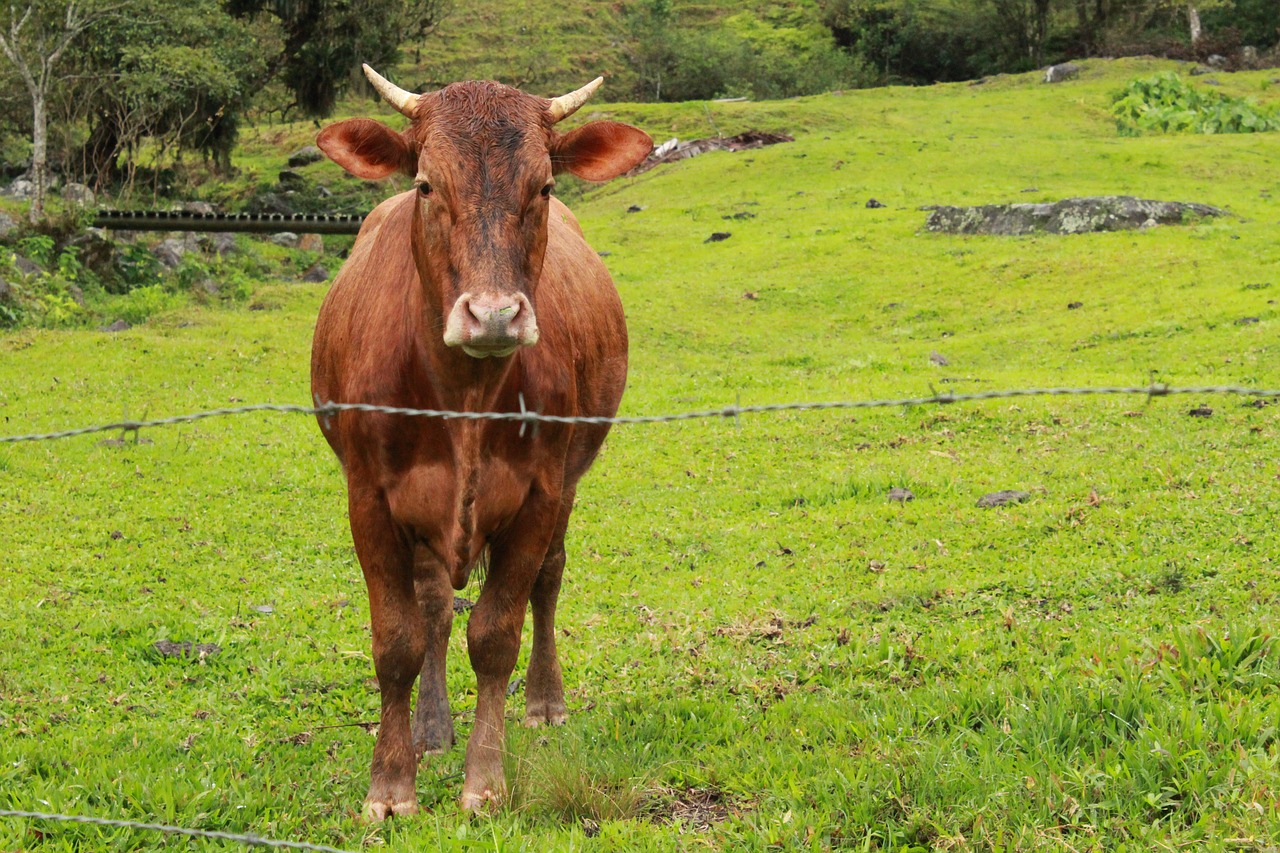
[454, 511]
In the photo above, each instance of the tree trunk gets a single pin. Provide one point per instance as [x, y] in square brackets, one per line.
[39, 155]
[1193, 19]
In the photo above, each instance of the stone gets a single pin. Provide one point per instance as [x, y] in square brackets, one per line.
[201, 208]
[221, 243]
[285, 238]
[1216, 60]
[897, 493]
[939, 359]
[1199, 70]
[79, 194]
[873, 204]
[169, 252]
[269, 203]
[6, 291]
[316, 273]
[290, 178]
[718, 236]
[311, 243]
[1249, 56]
[323, 192]
[26, 266]
[95, 251]
[21, 188]
[117, 326]
[1062, 71]
[76, 294]
[305, 156]
[7, 224]
[1069, 216]
[1003, 497]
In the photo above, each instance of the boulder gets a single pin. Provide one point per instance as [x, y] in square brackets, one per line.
[305, 156]
[26, 266]
[79, 194]
[221, 243]
[202, 208]
[311, 243]
[7, 224]
[285, 238]
[1069, 216]
[95, 251]
[6, 291]
[291, 179]
[1062, 71]
[169, 252]
[316, 273]
[117, 326]
[269, 203]
[21, 188]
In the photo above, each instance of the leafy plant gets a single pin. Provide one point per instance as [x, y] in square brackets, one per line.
[1164, 103]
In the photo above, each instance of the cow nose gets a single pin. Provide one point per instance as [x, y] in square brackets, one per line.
[491, 324]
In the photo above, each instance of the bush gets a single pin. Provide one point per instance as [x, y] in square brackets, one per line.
[1164, 103]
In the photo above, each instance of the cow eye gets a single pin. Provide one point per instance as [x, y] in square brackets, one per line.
[424, 189]
[546, 191]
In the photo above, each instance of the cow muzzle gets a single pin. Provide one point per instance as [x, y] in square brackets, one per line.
[491, 324]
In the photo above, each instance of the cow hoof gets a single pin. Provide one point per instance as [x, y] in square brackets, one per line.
[376, 811]
[485, 801]
[534, 720]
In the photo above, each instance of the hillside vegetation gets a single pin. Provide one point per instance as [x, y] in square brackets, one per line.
[761, 650]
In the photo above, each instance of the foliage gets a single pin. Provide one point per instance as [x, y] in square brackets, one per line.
[1164, 103]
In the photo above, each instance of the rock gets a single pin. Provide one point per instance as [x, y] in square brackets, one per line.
[1198, 70]
[6, 291]
[95, 251]
[1148, 225]
[169, 252]
[21, 188]
[76, 294]
[208, 287]
[873, 204]
[718, 236]
[221, 243]
[285, 238]
[117, 326]
[1006, 496]
[79, 194]
[289, 178]
[201, 208]
[1071, 306]
[635, 208]
[1060, 72]
[323, 192]
[186, 649]
[7, 224]
[1249, 56]
[1216, 60]
[939, 359]
[1069, 216]
[316, 273]
[1201, 412]
[305, 156]
[26, 266]
[311, 243]
[269, 203]
[897, 493]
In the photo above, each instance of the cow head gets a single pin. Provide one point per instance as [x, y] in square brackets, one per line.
[483, 158]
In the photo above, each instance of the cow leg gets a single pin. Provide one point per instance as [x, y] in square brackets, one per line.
[544, 687]
[399, 643]
[432, 723]
[493, 643]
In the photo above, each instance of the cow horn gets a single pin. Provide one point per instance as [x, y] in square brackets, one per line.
[403, 101]
[566, 105]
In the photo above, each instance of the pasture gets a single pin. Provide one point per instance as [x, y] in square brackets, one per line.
[761, 650]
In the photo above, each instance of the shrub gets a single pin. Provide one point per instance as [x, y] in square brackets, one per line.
[1164, 103]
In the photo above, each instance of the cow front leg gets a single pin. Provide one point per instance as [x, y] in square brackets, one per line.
[544, 686]
[432, 722]
[399, 644]
[493, 643]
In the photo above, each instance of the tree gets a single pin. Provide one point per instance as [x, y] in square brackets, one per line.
[325, 41]
[35, 41]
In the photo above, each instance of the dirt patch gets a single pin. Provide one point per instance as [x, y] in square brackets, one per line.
[693, 809]
[673, 149]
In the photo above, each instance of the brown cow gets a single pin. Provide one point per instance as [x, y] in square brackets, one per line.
[475, 291]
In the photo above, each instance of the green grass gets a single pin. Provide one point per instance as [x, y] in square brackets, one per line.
[761, 651]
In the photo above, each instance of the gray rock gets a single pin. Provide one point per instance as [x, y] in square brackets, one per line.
[897, 493]
[26, 266]
[208, 286]
[7, 224]
[939, 359]
[305, 157]
[6, 291]
[1217, 60]
[203, 208]
[169, 253]
[323, 192]
[1070, 216]
[316, 273]
[76, 294]
[221, 243]
[79, 194]
[269, 203]
[1060, 72]
[290, 178]
[95, 251]
[873, 204]
[285, 238]
[1249, 56]
[1005, 496]
[117, 326]
[21, 188]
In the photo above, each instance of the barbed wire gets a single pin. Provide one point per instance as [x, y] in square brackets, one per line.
[731, 411]
[247, 839]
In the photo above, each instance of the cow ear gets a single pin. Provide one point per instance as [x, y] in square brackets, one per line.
[600, 150]
[367, 148]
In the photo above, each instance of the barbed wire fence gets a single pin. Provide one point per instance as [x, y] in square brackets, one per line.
[526, 417]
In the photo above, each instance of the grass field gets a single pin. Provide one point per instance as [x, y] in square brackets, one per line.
[761, 650]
